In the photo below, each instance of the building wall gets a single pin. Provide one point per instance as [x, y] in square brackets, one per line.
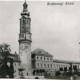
[57, 66]
[25, 56]
[50, 65]
[16, 67]
[43, 62]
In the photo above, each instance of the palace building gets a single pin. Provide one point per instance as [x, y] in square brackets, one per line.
[36, 63]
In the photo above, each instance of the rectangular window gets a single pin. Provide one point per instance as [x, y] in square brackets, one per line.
[37, 57]
[38, 64]
[41, 65]
[19, 73]
[48, 65]
[47, 58]
[19, 64]
[50, 58]
[51, 65]
[54, 65]
[44, 65]
[41, 57]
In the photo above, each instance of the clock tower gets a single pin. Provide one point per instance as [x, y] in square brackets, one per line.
[25, 40]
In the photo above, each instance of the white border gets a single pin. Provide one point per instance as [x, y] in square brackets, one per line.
[40, 0]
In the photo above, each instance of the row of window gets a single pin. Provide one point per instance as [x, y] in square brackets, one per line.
[58, 66]
[44, 58]
[45, 65]
[25, 21]
[20, 73]
[50, 65]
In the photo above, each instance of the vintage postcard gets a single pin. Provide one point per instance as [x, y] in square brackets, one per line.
[40, 40]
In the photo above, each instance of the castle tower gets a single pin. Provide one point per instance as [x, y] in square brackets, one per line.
[25, 40]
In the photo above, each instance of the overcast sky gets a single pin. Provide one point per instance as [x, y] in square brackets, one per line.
[56, 29]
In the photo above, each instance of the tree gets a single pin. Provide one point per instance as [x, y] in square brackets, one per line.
[5, 50]
[75, 68]
[5, 70]
[58, 73]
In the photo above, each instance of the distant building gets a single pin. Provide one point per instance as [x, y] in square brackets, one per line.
[43, 62]
[16, 63]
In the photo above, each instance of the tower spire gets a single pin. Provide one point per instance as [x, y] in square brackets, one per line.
[25, 0]
[25, 7]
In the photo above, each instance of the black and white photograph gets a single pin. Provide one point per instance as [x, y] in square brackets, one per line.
[40, 39]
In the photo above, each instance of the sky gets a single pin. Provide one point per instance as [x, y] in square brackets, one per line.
[54, 28]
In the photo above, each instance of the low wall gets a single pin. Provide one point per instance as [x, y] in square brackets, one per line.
[30, 77]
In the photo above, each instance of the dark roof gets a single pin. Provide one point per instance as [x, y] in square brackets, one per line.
[65, 61]
[16, 57]
[41, 52]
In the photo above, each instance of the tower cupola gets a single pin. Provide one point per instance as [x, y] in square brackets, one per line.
[25, 9]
